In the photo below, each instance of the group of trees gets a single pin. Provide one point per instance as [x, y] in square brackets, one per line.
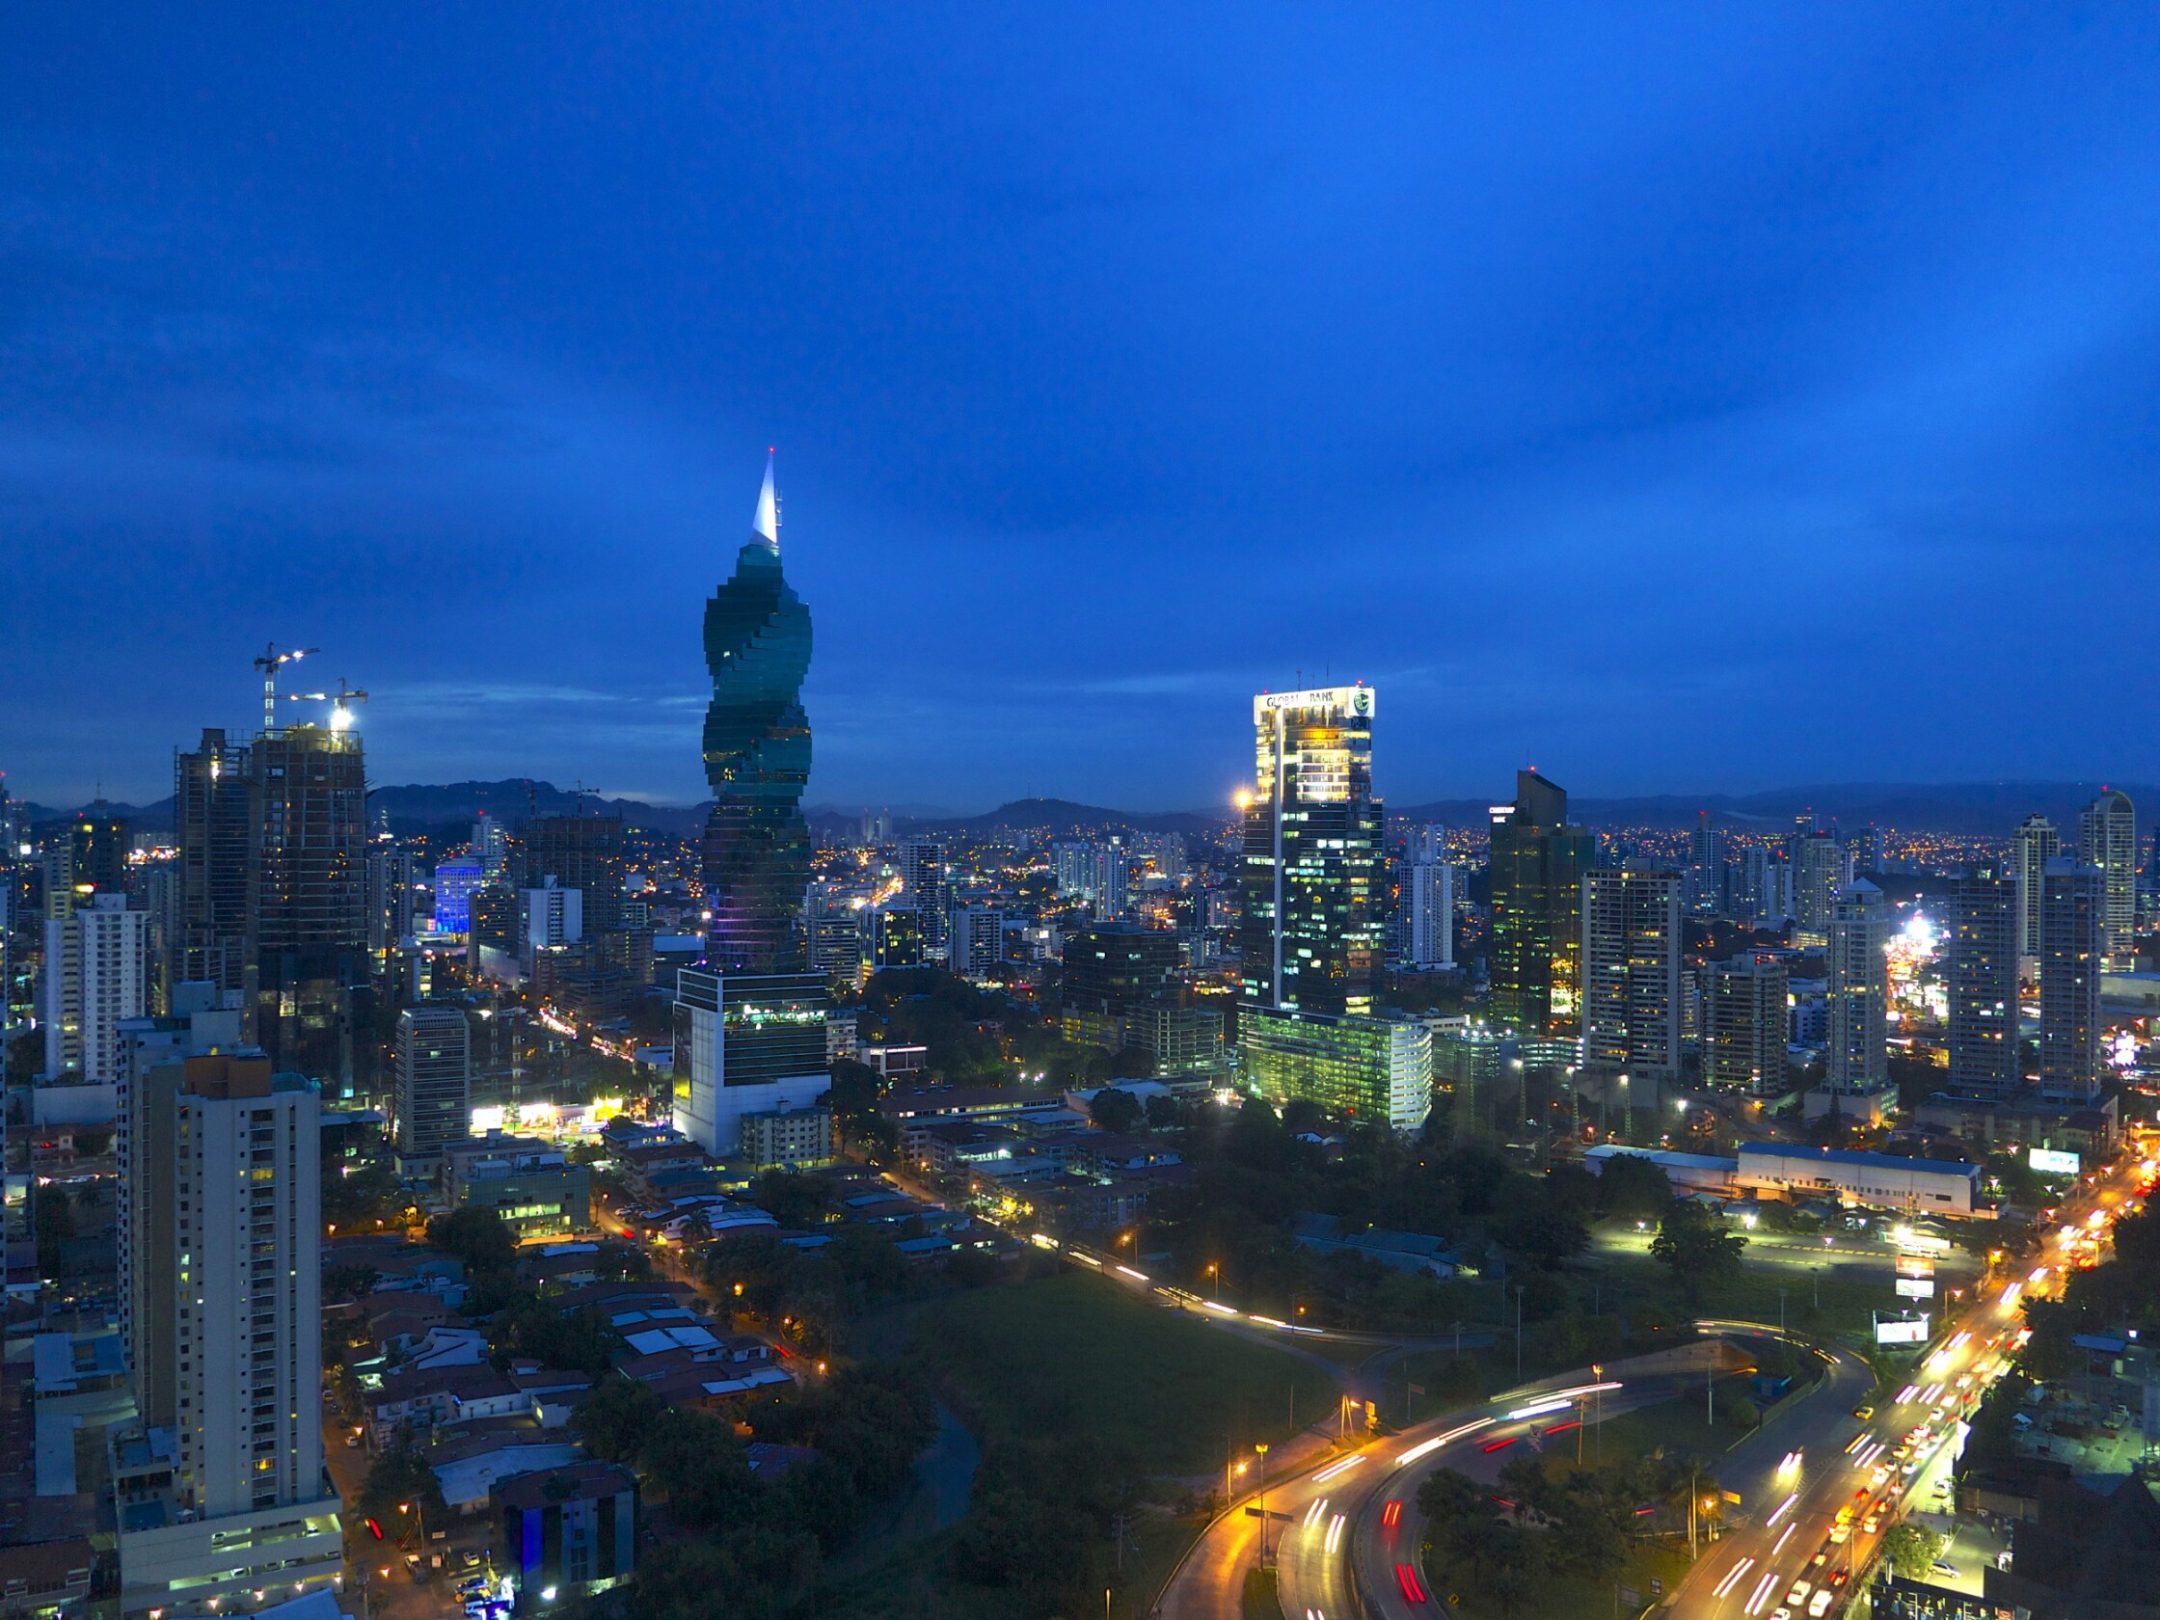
[810, 1295]
[2124, 1293]
[1699, 1248]
[759, 1543]
[1534, 1531]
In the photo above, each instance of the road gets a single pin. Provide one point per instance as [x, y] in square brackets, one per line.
[1850, 1488]
[1329, 1500]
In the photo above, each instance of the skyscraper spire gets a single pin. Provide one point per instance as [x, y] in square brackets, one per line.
[766, 525]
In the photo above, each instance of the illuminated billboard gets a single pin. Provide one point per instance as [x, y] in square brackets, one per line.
[2048, 1162]
[1911, 1330]
[1916, 1287]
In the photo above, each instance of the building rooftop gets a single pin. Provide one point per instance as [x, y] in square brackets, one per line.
[578, 1482]
[1859, 1160]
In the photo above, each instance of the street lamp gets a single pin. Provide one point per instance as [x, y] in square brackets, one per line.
[1214, 1281]
[1261, 1448]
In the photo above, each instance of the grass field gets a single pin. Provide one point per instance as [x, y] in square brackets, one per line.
[1071, 1351]
[1632, 1281]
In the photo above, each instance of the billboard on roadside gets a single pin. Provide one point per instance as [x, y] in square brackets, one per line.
[1916, 1287]
[2048, 1162]
[1901, 1330]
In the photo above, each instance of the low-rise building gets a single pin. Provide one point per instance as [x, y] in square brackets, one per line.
[565, 1531]
[1878, 1180]
[531, 1184]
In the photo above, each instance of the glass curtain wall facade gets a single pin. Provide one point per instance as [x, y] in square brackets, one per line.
[756, 857]
[1314, 862]
[1538, 863]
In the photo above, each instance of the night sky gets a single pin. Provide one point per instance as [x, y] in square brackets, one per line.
[1680, 399]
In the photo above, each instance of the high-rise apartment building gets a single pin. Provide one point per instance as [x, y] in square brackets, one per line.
[974, 941]
[1705, 889]
[1428, 903]
[1983, 983]
[756, 860]
[1113, 879]
[1766, 887]
[922, 880]
[221, 1491]
[1745, 1023]
[1631, 972]
[2073, 936]
[2032, 846]
[1859, 991]
[1538, 862]
[1072, 860]
[1821, 870]
[307, 900]
[97, 974]
[2107, 839]
[434, 1081]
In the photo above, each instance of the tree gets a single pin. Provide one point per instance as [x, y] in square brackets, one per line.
[1634, 1187]
[401, 1475]
[1912, 1550]
[478, 1237]
[1698, 1248]
[618, 1419]
[1132, 1063]
[698, 1463]
[1115, 1110]
[1163, 1113]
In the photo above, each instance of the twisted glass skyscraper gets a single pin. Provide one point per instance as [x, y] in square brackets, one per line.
[756, 861]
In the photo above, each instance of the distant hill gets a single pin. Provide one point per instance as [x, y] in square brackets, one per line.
[1972, 808]
[1064, 816]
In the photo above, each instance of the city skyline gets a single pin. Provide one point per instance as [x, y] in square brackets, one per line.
[1783, 376]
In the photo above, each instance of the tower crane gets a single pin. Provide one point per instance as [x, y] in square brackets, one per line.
[340, 702]
[270, 663]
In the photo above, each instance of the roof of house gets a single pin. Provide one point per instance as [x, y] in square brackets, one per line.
[582, 1481]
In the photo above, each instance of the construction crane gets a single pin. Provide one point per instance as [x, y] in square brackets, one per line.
[270, 663]
[340, 702]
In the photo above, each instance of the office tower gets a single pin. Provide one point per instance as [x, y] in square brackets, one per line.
[98, 846]
[1109, 970]
[1706, 866]
[2107, 839]
[1538, 862]
[1113, 879]
[975, 941]
[379, 883]
[211, 822]
[922, 879]
[1823, 868]
[307, 911]
[756, 860]
[221, 1490]
[455, 882]
[2032, 846]
[750, 1033]
[1744, 1026]
[892, 938]
[1428, 902]
[1983, 983]
[746, 1044]
[434, 1081]
[97, 973]
[2073, 934]
[836, 943]
[494, 909]
[1859, 991]
[584, 853]
[490, 845]
[1631, 972]
[1425, 843]
[1311, 926]
[1073, 861]
[1312, 871]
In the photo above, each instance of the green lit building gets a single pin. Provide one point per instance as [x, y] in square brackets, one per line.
[1538, 863]
[1372, 1069]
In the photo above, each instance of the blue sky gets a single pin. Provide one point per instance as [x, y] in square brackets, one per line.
[1679, 398]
